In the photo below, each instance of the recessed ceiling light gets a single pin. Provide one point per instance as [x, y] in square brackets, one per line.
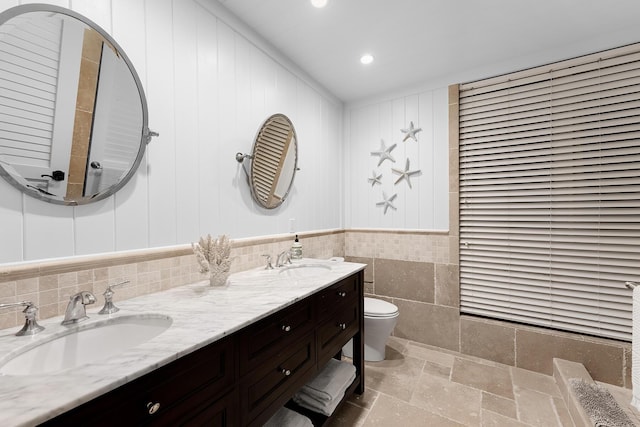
[366, 59]
[319, 3]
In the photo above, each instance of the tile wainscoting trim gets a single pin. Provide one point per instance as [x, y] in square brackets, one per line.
[32, 269]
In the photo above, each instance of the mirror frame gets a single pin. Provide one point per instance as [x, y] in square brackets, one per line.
[254, 152]
[145, 132]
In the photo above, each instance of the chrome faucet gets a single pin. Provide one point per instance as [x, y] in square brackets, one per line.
[76, 310]
[30, 327]
[283, 258]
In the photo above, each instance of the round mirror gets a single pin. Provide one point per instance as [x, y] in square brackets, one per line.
[72, 108]
[274, 161]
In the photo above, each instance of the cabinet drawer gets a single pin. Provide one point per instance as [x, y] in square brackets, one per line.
[273, 383]
[344, 292]
[268, 337]
[173, 390]
[335, 332]
[221, 413]
[212, 368]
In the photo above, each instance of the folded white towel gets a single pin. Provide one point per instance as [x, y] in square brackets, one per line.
[330, 382]
[326, 407]
[288, 418]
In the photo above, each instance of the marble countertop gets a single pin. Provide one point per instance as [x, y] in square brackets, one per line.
[201, 314]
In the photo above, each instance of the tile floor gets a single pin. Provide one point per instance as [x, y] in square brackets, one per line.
[419, 385]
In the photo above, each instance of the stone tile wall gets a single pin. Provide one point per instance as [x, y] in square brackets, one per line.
[427, 295]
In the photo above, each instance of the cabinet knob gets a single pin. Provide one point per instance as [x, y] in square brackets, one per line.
[153, 407]
[285, 372]
[342, 326]
[342, 294]
[286, 328]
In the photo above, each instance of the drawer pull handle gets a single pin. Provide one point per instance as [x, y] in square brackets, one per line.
[153, 407]
[286, 328]
[285, 372]
[342, 326]
[342, 294]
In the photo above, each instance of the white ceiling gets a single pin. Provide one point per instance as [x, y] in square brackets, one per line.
[419, 41]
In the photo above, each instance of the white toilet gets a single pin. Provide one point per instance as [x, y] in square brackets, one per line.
[380, 318]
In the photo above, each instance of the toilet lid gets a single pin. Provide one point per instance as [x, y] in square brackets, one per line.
[378, 308]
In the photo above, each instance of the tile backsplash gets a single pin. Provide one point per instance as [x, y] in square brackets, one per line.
[49, 284]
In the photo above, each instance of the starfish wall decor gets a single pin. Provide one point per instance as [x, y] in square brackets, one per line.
[375, 179]
[405, 174]
[384, 153]
[387, 202]
[410, 132]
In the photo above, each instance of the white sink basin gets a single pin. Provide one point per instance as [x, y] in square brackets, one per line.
[86, 344]
[301, 271]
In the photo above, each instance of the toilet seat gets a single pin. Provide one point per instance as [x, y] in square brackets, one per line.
[377, 308]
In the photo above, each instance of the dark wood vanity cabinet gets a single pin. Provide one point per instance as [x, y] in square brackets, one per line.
[242, 379]
[199, 384]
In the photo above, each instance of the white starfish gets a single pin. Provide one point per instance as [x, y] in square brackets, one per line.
[375, 179]
[386, 202]
[411, 132]
[405, 174]
[384, 153]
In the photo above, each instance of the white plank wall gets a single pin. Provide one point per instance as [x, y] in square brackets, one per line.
[425, 206]
[209, 86]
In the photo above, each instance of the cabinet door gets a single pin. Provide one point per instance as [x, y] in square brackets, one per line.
[336, 331]
[271, 385]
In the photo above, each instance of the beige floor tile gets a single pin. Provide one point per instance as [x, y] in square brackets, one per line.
[435, 369]
[448, 399]
[491, 419]
[429, 354]
[366, 399]
[418, 385]
[524, 378]
[389, 411]
[396, 377]
[563, 412]
[536, 408]
[349, 416]
[493, 379]
[500, 405]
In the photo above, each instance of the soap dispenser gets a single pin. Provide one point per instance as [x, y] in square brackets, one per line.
[296, 249]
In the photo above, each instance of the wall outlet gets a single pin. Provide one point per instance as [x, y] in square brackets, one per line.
[292, 225]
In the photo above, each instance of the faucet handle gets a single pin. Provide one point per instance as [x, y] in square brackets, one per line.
[268, 266]
[30, 327]
[109, 307]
